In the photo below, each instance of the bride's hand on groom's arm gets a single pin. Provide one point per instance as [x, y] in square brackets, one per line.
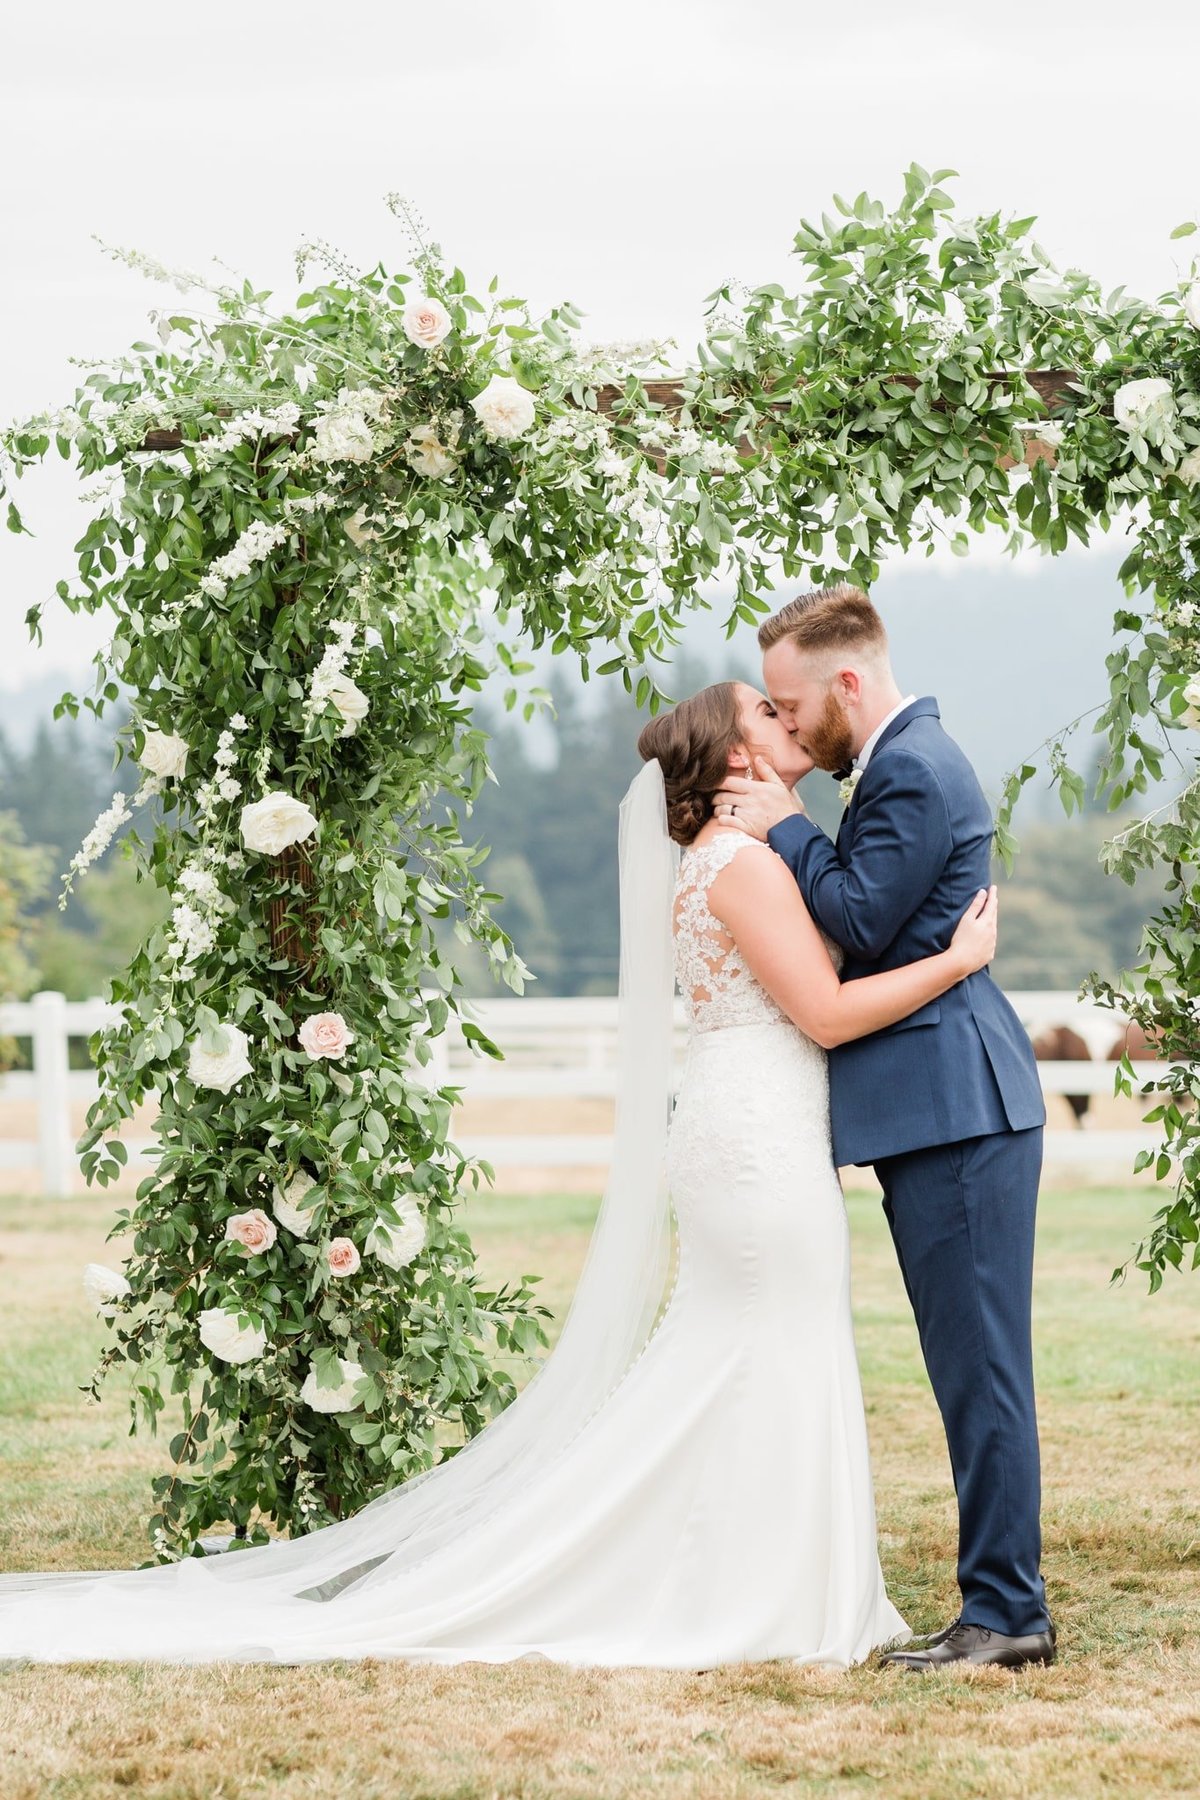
[755, 806]
[974, 940]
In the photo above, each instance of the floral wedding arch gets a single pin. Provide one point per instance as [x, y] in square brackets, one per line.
[316, 532]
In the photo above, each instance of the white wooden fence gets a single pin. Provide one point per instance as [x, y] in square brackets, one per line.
[555, 1050]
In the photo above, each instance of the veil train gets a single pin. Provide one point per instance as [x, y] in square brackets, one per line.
[611, 1319]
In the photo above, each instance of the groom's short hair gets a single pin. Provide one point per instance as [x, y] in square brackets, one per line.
[833, 619]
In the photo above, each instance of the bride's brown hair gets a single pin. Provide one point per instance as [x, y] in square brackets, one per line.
[692, 743]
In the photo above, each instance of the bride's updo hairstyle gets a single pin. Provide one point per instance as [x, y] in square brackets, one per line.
[692, 743]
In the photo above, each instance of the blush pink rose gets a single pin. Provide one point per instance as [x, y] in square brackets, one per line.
[253, 1230]
[342, 1257]
[426, 321]
[326, 1034]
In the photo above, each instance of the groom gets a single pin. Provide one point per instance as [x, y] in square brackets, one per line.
[946, 1105]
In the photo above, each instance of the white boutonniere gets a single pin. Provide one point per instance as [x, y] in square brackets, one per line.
[847, 787]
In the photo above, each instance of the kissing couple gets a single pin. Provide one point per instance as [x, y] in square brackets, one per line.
[685, 1481]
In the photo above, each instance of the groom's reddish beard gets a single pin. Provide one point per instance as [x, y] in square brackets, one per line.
[830, 742]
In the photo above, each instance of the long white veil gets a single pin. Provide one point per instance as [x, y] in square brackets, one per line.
[61, 1616]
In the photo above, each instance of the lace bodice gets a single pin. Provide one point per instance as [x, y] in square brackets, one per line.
[717, 987]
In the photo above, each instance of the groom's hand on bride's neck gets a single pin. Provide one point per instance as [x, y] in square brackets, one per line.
[755, 806]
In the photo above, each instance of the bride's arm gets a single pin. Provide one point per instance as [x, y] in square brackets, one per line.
[756, 898]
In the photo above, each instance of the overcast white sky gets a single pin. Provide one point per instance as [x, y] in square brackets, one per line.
[629, 155]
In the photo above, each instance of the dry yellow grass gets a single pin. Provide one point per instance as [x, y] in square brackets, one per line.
[1119, 1714]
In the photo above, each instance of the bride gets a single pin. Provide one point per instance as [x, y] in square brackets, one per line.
[681, 1484]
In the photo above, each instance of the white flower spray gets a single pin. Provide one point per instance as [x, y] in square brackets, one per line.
[223, 784]
[331, 686]
[255, 544]
[98, 839]
[277, 421]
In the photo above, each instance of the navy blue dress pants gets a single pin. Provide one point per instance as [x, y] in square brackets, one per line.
[962, 1220]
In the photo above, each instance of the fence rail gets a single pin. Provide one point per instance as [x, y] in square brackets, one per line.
[555, 1051]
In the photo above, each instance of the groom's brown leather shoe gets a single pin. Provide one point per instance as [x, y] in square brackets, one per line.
[961, 1643]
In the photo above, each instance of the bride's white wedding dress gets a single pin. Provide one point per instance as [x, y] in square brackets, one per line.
[716, 1507]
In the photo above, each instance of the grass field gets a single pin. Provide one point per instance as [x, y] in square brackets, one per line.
[1119, 1384]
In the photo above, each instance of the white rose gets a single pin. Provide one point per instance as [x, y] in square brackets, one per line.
[1051, 434]
[1189, 468]
[428, 455]
[274, 822]
[220, 1068]
[221, 1334]
[1145, 407]
[348, 699]
[104, 1287]
[426, 322]
[337, 1399]
[163, 754]
[396, 1245]
[1191, 304]
[505, 409]
[342, 437]
[286, 1205]
[1191, 713]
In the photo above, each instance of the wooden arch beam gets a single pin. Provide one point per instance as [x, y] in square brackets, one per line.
[1052, 385]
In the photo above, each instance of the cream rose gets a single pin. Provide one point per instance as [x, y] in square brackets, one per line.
[348, 699]
[286, 1205]
[1189, 468]
[358, 530]
[504, 409]
[342, 1257]
[221, 1068]
[163, 754]
[253, 1230]
[1191, 304]
[1145, 407]
[1191, 713]
[336, 1399]
[425, 321]
[221, 1334]
[274, 822]
[104, 1287]
[428, 455]
[325, 1034]
[397, 1245]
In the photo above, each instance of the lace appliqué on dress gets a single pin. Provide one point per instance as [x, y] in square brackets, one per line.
[717, 987]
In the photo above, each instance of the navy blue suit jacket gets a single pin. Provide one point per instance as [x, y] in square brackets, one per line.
[914, 846]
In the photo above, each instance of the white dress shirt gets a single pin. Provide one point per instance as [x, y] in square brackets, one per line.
[864, 755]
